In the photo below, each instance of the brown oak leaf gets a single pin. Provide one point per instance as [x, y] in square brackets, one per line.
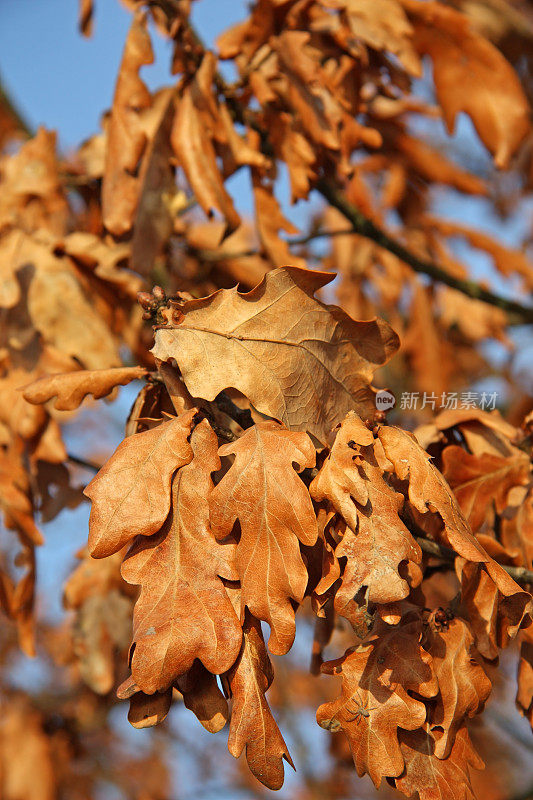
[183, 611]
[263, 492]
[126, 140]
[429, 492]
[192, 142]
[480, 480]
[297, 360]
[376, 541]
[434, 778]
[131, 493]
[463, 685]
[71, 388]
[252, 725]
[471, 75]
[202, 696]
[370, 713]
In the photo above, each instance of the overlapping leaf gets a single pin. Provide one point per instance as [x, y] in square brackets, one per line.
[433, 778]
[300, 361]
[370, 713]
[183, 611]
[463, 685]
[272, 505]
[376, 541]
[429, 492]
[131, 493]
[480, 480]
[252, 725]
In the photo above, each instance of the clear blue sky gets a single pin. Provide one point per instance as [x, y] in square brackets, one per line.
[64, 81]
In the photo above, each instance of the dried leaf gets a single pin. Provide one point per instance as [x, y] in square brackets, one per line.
[471, 75]
[463, 684]
[376, 541]
[313, 351]
[270, 220]
[252, 725]
[71, 389]
[480, 481]
[370, 713]
[383, 25]
[183, 612]
[433, 778]
[263, 492]
[147, 710]
[86, 17]
[126, 138]
[428, 491]
[194, 148]
[203, 697]
[497, 605]
[131, 493]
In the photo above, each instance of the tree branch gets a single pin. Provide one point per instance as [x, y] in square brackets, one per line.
[81, 462]
[365, 227]
[518, 313]
[521, 575]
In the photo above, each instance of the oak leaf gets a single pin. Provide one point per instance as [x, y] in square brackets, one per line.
[434, 778]
[428, 491]
[376, 541]
[494, 616]
[263, 492]
[318, 360]
[131, 493]
[183, 611]
[484, 580]
[270, 220]
[98, 596]
[383, 25]
[70, 389]
[480, 481]
[126, 138]
[370, 714]
[147, 710]
[463, 685]
[471, 75]
[193, 144]
[202, 696]
[252, 725]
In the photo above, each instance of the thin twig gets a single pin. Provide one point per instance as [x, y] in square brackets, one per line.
[222, 255]
[82, 462]
[521, 575]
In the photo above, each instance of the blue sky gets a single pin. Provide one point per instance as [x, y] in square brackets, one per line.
[64, 81]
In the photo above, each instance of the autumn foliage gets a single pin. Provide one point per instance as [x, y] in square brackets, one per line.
[259, 480]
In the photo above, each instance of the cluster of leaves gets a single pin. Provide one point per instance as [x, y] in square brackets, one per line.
[256, 471]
